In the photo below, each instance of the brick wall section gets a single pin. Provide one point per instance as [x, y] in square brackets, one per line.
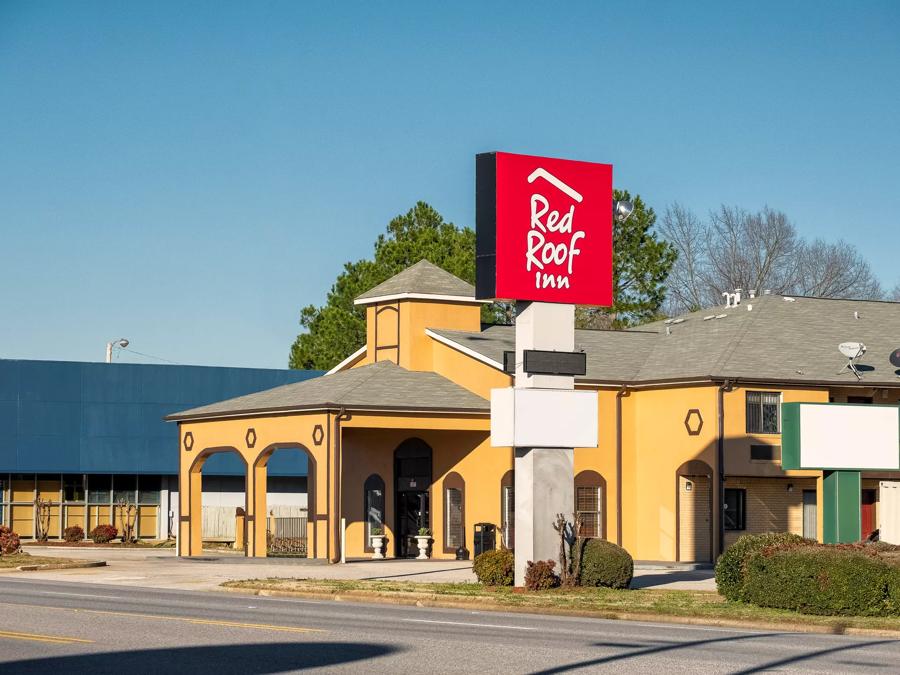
[769, 506]
[694, 511]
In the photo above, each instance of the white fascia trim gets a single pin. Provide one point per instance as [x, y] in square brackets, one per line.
[417, 296]
[346, 362]
[465, 350]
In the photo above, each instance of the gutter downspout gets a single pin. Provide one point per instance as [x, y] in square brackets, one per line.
[619, 394]
[335, 517]
[720, 463]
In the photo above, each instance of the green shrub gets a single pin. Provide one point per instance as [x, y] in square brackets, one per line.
[539, 576]
[103, 534]
[9, 541]
[605, 564]
[827, 580]
[73, 534]
[731, 565]
[495, 568]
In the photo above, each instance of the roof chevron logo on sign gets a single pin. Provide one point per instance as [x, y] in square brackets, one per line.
[556, 182]
[544, 229]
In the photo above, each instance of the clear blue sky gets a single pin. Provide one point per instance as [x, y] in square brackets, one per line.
[188, 175]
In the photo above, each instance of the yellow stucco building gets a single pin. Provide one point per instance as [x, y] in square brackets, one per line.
[398, 435]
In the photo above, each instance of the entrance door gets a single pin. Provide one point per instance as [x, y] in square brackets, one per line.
[694, 519]
[868, 513]
[810, 523]
[412, 513]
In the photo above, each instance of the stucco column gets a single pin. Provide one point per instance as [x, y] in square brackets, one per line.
[544, 477]
[194, 513]
[260, 521]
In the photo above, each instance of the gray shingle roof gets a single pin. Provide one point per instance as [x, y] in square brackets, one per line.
[422, 278]
[778, 340]
[614, 355]
[380, 386]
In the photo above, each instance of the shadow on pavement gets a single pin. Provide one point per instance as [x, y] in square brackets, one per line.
[252, 659]
[648, 580]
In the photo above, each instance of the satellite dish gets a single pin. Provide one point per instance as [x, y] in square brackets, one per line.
[852, 350]
[895, 358]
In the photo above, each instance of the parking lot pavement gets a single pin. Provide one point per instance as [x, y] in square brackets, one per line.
[159, 568]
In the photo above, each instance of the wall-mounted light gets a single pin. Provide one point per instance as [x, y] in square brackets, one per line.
[790, 487]
[688, 486]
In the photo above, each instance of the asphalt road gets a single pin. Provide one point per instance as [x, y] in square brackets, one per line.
[58, 627]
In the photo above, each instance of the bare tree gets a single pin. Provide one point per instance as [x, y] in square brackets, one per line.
[895, 293]
[687, 282]
[834, 270]
[757, 251]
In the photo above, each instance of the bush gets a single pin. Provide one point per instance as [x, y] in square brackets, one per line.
[73, 534]
[495, 568]
[731, 565]
[9, 541]
[605, 564]
[103, 534]
[828, 580]
[539, 576]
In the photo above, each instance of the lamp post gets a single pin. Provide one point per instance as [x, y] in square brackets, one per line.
[121, 343]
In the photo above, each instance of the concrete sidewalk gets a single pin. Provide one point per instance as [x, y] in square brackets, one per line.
[159, 568]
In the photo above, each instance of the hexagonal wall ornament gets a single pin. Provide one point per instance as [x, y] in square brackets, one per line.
[693, 422]
[318, 434]
[251, 437]
[189, 441]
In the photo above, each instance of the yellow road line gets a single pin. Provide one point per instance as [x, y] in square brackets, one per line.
[185, 619]
[56, 639]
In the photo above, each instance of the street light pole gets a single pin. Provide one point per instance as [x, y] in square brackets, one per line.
[121, 343]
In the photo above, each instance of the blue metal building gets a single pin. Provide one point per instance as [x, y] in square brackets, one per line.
[83, 435]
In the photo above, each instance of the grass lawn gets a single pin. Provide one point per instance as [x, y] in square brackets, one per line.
[10, 561]
[685, 606]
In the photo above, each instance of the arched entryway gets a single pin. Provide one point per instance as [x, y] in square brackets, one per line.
[412, 493]
[693, 517]
[193, 496]
[285, 529]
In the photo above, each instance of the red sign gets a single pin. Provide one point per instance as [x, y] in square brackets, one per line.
[543, 229]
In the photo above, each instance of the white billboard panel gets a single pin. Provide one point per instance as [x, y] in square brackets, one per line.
[543, 418]
[849, 437]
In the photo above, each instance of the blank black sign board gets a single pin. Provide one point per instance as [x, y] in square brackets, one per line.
[895, 358]
[542, 362]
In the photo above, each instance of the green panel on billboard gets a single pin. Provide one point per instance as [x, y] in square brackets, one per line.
[841, 492]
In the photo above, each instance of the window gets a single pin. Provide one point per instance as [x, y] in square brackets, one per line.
[149, 489]
[99, 488]
[125, 489]
[765, 453]
[73, 488]
[453, 532]
[374, 506]
[866, 400]
[763, 412]
[734, 514]
[508, 515]
[587, 506]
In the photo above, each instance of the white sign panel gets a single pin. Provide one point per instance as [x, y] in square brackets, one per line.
[850, 437]
[543, 418]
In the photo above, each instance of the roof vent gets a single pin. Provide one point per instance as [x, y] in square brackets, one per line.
[711, 316]
[856, 315]
[786, 299]
[752, 293]
[732, 299]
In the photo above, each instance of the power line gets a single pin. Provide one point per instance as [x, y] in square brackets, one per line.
[149, 356]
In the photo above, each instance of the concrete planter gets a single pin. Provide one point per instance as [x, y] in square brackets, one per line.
[378, 546]
[422, 542]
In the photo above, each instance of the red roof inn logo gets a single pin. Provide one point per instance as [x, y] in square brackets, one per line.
[543, 229]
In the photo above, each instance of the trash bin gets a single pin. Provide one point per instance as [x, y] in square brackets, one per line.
[485, 538]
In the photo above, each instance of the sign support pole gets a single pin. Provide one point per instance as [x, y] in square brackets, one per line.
[544, 477]
[841, 510]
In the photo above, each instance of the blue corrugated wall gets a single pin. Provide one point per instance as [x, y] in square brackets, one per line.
[68, 417]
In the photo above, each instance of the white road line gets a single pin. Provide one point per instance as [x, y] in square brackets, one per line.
[83, 595]
[470, 625]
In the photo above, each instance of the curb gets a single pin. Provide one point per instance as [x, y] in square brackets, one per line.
[59, 566]
[430, 600]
